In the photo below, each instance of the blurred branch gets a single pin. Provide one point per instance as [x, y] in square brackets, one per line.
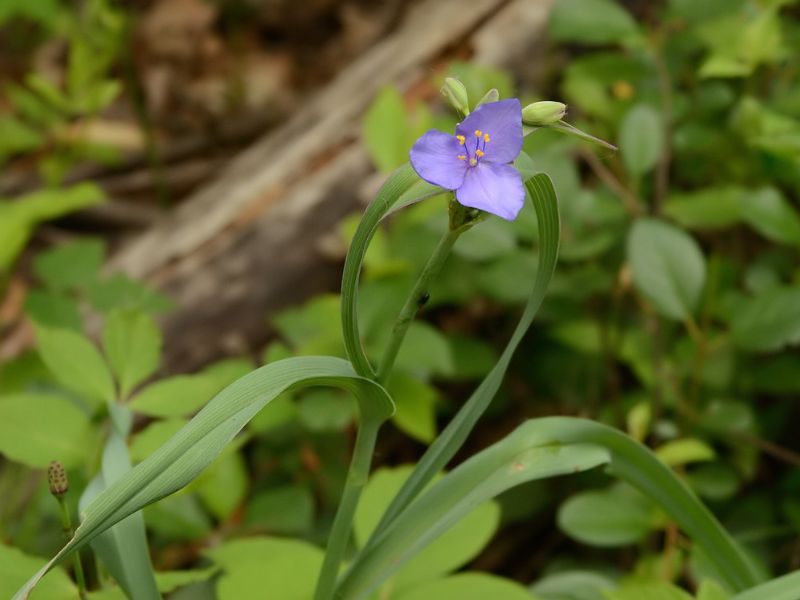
[629, 199]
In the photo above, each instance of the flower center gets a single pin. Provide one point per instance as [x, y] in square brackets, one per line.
[473, 155]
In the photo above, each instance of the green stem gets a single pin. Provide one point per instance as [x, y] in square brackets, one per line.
[416, 299]
[66, 524]
[342, 524]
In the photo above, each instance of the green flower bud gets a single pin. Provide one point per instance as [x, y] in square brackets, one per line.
[57, 479]
[542, 114]
[491, 96]
[456, 94]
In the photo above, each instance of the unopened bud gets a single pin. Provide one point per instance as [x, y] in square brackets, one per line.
[57, 479]
[456, 94]
[491, 96]
[542, 114]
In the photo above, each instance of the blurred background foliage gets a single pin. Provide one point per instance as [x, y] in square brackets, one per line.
[674, 314]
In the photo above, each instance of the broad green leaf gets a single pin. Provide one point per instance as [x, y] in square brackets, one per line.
[14, 564]
[780, 588]
[486, 241]
[76, 363]
[416, 406]
[18, 218]
[769, 213]
[325, 410]
[768, 321]
[467, 586]
[150, 439]
[649, 591]
[286, 568]
[132, 342]
[313, 328]
[591, 22]
[676, 453]
[605, 518]
[193, 448]
[120, 291]
[389, 130]
[638, 420]
[711, 590]
[169, 581]
[223, 486]
[178, 395]
[179, 518]
[384, 129]
[537, 449]
[425, 351]
[284, 510]
[70, 266]
[710, 208]
[641, 139]
[37, 428]
[574, 585]
[668, 267]
[53, 309]
[715, 481]
[448, 553]
[473, 357]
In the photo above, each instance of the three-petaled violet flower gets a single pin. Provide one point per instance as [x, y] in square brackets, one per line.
[474, 161]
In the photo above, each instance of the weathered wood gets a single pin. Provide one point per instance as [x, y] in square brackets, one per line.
[248, 242]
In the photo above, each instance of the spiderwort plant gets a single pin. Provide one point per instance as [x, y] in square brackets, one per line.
[474, 166]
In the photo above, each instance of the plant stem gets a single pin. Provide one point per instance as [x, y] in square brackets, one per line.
[66, 524]
[416, 299]
[357, 477]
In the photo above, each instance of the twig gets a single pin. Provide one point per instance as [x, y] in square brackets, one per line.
[629, 199]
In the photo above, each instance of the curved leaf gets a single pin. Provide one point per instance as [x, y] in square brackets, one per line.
[197, 444]
[537, 449]
[540, 189]
[401, 189]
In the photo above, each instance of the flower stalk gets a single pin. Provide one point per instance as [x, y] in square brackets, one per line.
[419, 294]
[59, 486]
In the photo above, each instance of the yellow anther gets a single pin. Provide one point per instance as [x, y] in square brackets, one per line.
[485, 137]
[461, 139]
[478, 133]
[479, 153]
[461, 157]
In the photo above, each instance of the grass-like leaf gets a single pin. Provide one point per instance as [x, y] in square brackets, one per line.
[541, 191]
[538, 449]
[195, 446]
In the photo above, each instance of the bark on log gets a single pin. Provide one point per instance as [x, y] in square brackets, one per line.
[247, 243]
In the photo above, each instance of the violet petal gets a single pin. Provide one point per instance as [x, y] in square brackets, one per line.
[494, 188]
[435, 159]
[503, 122]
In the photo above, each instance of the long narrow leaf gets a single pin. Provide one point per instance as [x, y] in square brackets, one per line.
[537, 449]
[452, 437]
[195, 446]
[402, 188]
[122, 548]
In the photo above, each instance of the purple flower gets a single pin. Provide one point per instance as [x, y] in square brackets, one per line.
[474, 162]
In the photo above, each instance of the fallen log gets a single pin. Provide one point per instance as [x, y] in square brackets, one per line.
[247, 243]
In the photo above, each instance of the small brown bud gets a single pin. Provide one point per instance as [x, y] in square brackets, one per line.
[57, 478]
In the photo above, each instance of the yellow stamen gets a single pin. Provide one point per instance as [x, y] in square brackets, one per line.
[479, 153]
[478, 133]
[485, 137]
[461, 157]
[461, 139]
